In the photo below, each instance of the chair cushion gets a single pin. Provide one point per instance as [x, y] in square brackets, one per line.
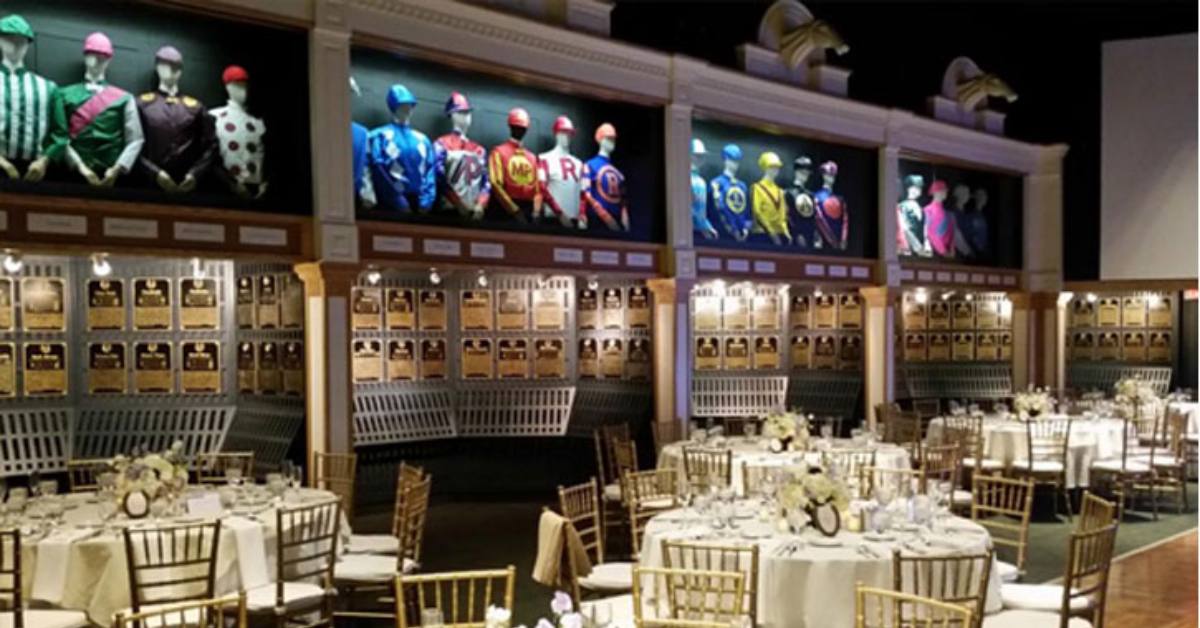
[368, 568]
[1039, 597]
[373, 544]
[1039, 466]
[657, 504]
[612, 492]
[1114, 466]
[609, 577]
[296, 595]
[1008, 572]
[988, 463]
[1031, 619]
[618, 610]
[960, 498]
[56, 619]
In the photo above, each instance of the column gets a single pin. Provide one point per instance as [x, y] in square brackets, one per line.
[879, 348]
[1039, 326]
[330, 391]
[1042, 240]
[1022, 328]
[672, 349]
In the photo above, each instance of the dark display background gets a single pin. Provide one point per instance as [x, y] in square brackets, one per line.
[638, 155]
[856, 183]
[276, 59]
[1004, 209]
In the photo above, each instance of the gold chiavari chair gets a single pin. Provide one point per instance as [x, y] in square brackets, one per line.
[689, 594]
[845, 464]
[335, 473]
[647, 494]
[1095, 513]
[1170, 461]
[406, 477]
[83, 475]
[927, 408]
[680, 623]
[614, 436]
[13, 611]
[954, 579]
[707, 467]
[667, 432]
[212, 467]
[225, 612]
[707, 557]
[1047, 442]
[305, 552]
[904, 429]
[967, 432]
[367, 571]
[736, 425]
[580, 505]
[462, 597]
[1132, 474]
[1082, 593]
[754, 476]
[1004, 506]
[901, 482]
[943, 464]
[171, 564]
[881, 608]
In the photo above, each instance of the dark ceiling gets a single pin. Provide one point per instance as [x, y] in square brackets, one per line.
[1049, 52]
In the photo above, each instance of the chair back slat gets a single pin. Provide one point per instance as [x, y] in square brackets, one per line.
[224, 612]
[1089, 557]
[690, 594]
[10, 575]
[462, 597]
[942, 463]
[406, 476]
[648, 493]
[709, 557]
[170, 564]
[213, 467]
[882, 608]
[1095, 513]
[580, 504]
[306, 545]
[956, 579]
[1004, 506]
[415, 511]
[706, 467]
[83, 475]
[335, 473]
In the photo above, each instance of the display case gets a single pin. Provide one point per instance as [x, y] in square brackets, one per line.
[1116, 334]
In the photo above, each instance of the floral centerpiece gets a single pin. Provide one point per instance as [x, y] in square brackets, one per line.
[1033, 402]
[787, 430]
[1133, 395]
[814, 497]
[156, 476]
[561, 607]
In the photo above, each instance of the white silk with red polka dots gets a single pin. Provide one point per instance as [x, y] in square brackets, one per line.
[239, 136]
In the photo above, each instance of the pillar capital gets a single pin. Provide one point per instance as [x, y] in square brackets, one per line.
[328, 279]
[880, 296]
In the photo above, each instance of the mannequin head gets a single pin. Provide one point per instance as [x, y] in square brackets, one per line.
[770, 165]
[981, 199]
[459, 110]
[516, 132]
[402, 113]
[801, 171]
[563, 130]
[913, 184]
[237, 84]
[606, 138]
[732, 156]
[461, 121]
[698, 153]
[962, 194]
[237, 92]
[829, 172]
[937, 190]
[97, 53]
[168, 65]
[518, 123]
[400, 102]
[13, 49]
[95, 66]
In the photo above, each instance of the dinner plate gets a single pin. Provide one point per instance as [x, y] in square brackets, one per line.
[825, 541]
[878, 537]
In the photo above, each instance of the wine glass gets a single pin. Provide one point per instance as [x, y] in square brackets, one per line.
[826, 431]
[432, 618]
[48, 488]
[600, 615]
[233, 475]
[35, 482]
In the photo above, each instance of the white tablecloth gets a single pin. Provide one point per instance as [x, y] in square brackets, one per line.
[80, 567]
[754, 454]
[1091, 441]
[814, 586]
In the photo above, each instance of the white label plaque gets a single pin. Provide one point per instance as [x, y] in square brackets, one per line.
[448, 248]
[489, 250]
[817, 270]
[709, 263]
[130, 228]
[838, 271]
[262, 236]
[199, 232]
[606, 258]
[639, 260]
[56, 223]
[737, 265]
[568, 256]
[860, 272]
[764, 267]
[392, 244]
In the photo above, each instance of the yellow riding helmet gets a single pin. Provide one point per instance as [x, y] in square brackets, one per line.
[769, 160]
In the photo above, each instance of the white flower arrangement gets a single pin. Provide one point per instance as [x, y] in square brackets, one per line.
[787, 430]
[1033, 402]
[1133, 394]
[807, 489]
[561, 607]
[158, 475]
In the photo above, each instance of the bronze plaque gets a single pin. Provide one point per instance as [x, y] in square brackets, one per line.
[1108, 346]
[43, 304]
[8, 369]
[152, 373]
[431, 310]
[199, 303]
[766, 353]
[401, 310]
[707, 316]
[637, 361]
[939, 314]
[244, 303]
[291, 307]
[267, 301]
[612, 309]
[45, 369]
[549, 358]
[201, 367]
[1133, 312]
[587, 309]
[963, 315]
[106, 304]
[1108, 313]
[800, 312]
[824, 352]
[246, 368]
[1006, 345]
[1133, 346]
[825, 311]
[512, 358]
[548, 309]
[367, 360]
[512, 311]
[401, 360]
[737, 353]
[612, 358]
[293, 368]
[270, 376]
[475, 310]
[766, 312]
[801, 353]
[151, 305]
[987, 315]
[107, 374]
[1158, 312]
[1160, 347]
[708, 353]
[6, 303]
[850, 311]
[914, 348]
[1083, 346]
[850, 352]
[1083, 313]
[963, 346]
[433, 358]
[914, 315]
[987, 349]
[939, 347]
[477, 358]
[638, 305]
[589, 358]
[366, 309]
[735, 313]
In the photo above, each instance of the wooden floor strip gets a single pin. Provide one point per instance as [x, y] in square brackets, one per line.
[1155, 587]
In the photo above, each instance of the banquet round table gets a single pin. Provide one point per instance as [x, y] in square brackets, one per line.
[1091, 440]
[804, 585]
[753, 453]
[80, 564]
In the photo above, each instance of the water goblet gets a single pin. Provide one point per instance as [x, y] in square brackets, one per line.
[826, 431]
[48, 488]
[432, 618]
[233, 475]
[600, 615]
[35, 483]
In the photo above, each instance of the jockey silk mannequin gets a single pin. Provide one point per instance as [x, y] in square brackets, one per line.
[603, 184]
[364, 189]
[910, 219]
[461, 164]
[700, 221]
[962, 196]
[770, 209]
[833, 218]
[939, 224]
[730, 195]
[25, 99]
[979, 223]
[179, 146]
[402, 158]
[240, 137]
[512, 169]
[559, 175]
[94, 126]
[802, 205]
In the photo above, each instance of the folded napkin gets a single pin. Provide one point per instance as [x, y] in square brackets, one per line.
[556, 536]
[251, 551]
[53, 556]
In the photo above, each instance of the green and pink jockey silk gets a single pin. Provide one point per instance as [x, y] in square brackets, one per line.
[90, 122]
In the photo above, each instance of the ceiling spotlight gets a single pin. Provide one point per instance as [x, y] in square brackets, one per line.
[1091, 297]
[482, 279]
[593, 282]
[100, 265]
[13, 262]
[434, 277]
[542, 281]
[970, 296]
[198, 270]
[817, 291]
[921, 296]
[1153, 300]
[373, 276]
[783, 288]
[946, 295]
